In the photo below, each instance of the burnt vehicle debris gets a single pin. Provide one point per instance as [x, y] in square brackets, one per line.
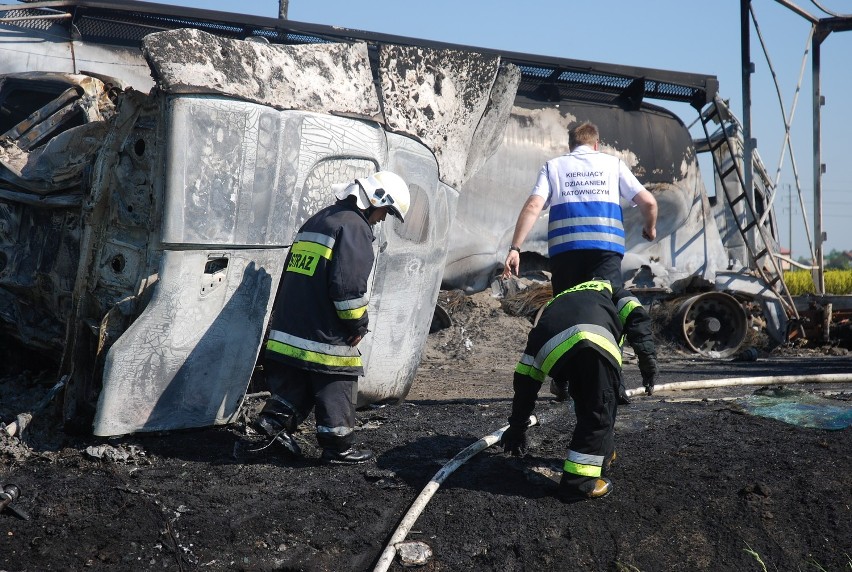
[144, 228]
[153, 176]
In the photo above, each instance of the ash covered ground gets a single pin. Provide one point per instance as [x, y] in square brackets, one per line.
[700, 484]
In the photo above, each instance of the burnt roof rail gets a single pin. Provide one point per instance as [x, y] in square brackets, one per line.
[126, 22]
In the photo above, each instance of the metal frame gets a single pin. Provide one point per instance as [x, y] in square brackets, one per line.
[824, 27]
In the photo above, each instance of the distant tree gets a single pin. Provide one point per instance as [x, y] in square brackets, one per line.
[837, 259]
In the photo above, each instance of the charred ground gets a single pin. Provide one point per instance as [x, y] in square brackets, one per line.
[699, 484]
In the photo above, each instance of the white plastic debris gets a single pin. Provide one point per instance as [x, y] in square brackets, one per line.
[118, 454]
[413, 553]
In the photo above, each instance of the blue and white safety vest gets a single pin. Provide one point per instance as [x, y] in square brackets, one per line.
[583, 190]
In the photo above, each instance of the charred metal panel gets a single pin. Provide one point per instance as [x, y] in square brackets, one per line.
[407, 277]
[39, 250]
[227, 174]
[186, 360]
[118, 252]
[440, 97]
[489, 132]
[324, 78]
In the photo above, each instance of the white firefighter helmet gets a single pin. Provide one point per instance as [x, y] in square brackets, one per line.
[386, 189]
[382, 189]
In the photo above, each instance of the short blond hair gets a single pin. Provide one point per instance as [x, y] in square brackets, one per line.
[585, 133]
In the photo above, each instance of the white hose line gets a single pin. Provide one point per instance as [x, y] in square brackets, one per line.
[431, 487]
[737, 381]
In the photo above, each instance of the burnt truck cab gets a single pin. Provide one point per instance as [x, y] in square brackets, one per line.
[143, 235]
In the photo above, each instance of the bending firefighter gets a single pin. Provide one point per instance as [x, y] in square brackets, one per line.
[578, 340]
[320, 316]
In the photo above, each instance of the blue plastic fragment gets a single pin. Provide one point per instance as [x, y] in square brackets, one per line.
[800, 408]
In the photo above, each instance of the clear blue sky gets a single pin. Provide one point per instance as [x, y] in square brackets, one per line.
[681, 35]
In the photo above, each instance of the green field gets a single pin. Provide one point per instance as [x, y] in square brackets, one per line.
[800, 282]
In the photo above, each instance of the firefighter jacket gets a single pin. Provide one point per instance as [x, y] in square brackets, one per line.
[322, 297]
[589, 315]
[583, 190]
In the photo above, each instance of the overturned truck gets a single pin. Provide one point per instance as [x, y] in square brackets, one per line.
[156, 161]
[143, 233]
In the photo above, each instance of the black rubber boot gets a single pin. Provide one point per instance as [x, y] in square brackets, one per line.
[622, 394]
[277, 426]
[350, 455]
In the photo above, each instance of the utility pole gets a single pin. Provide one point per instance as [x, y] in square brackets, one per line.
[282, 9]
[749, 143]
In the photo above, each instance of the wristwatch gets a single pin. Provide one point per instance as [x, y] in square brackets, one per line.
[515, 248]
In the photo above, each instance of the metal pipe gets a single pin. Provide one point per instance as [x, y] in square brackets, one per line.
[819, 235]
[748, 141]
[799, 11]
[25, 18]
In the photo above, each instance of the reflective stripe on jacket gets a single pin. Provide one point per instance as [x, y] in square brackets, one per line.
[587, 315]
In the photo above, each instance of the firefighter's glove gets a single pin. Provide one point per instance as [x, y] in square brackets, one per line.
[648, 369]
[514, 440]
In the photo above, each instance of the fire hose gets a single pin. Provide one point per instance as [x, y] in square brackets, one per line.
[386, 559]
[737, 381]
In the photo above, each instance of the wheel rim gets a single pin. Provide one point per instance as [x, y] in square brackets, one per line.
[713, 324]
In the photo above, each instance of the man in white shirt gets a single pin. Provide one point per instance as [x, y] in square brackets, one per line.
[585, 234]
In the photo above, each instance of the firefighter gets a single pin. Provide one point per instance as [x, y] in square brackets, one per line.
[320, 316]
[578, 339]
